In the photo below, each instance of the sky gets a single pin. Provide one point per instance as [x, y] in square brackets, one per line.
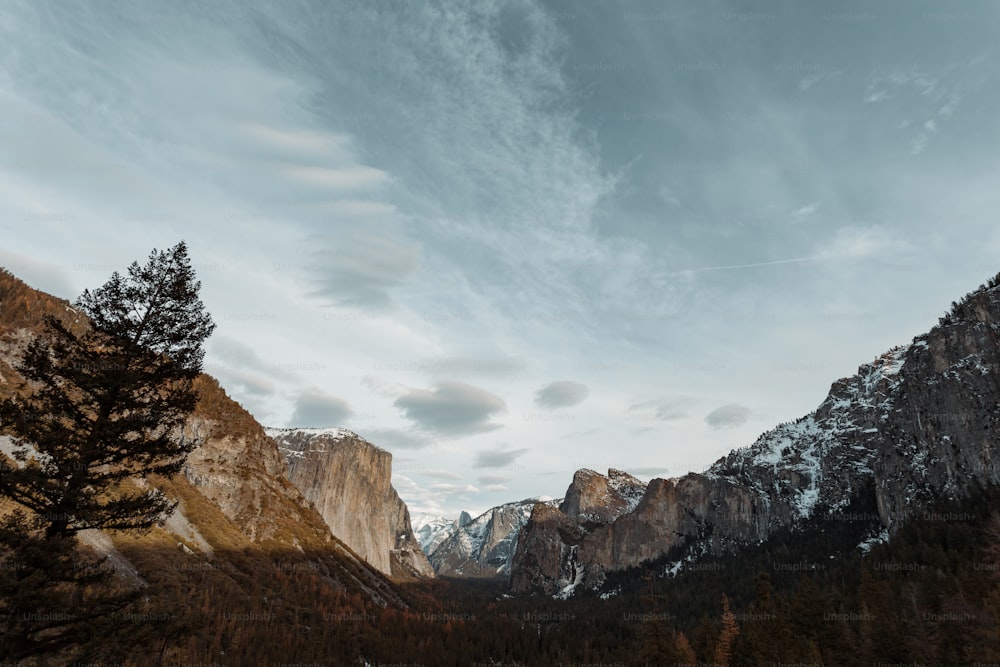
[508, 240]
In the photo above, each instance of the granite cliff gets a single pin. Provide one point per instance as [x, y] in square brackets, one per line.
[348, 479]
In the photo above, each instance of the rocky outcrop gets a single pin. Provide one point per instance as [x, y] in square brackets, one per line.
[349, 480]
[484, 547]
[919, 424]
[593, 497]
[236, 466]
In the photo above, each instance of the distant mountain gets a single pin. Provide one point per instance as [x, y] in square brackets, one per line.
[919, 424]
[348, 479]
[431, 530]
[484, 546]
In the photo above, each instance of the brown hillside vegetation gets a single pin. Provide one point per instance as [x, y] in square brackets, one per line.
[241, 526]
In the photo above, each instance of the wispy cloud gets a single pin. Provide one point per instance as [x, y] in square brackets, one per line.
[661, 409]
[499, 456]
[361, 269]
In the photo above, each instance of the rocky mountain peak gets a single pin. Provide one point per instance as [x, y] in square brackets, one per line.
[599, 498]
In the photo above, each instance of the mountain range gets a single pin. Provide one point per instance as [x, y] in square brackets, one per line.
[917, 426]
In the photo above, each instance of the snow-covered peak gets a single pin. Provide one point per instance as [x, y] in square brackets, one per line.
[431, 530]
[335, 433]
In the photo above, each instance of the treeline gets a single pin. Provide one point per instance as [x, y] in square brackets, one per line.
[960, 309]
[931, 595]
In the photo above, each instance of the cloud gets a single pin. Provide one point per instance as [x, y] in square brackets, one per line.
[417, 498]
[239, 357]
[362, 268]
[393, 438]
[441, 474]
[861, 243]
[297, 142]
[561, 394]
[728, 416]
[580, 434]
[486, 366]
[803, 212]
[648, 472]
[660, 409]
[493, 479]
[445, 487]
[350, 178]
[452, 408]
[498, 457]
[38, 274]
[240, 381]
[314, 408]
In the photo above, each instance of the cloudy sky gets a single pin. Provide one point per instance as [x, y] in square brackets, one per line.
[507, 240]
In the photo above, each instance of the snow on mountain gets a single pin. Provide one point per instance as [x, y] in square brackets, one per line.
[916, 426]
[431, 530]
[484, 547]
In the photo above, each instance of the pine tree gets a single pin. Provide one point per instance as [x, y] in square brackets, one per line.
[103, 404]
[685, 653]
[730, 630]
[659, 641]
[99, 406]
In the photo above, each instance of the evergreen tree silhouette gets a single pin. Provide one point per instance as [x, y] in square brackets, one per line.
[99, 408]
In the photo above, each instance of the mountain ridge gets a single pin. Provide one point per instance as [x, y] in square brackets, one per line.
[916, 424]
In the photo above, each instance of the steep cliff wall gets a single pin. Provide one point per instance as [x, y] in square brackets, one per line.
[349, 480]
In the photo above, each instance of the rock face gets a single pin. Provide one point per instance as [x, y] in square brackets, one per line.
[594, 497]
[349, 480]
[484, 547]
[918, 424]
[236, 466]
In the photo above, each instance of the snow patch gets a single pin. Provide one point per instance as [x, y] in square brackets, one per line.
[335, 433]
[878, 538]
[610, 594]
